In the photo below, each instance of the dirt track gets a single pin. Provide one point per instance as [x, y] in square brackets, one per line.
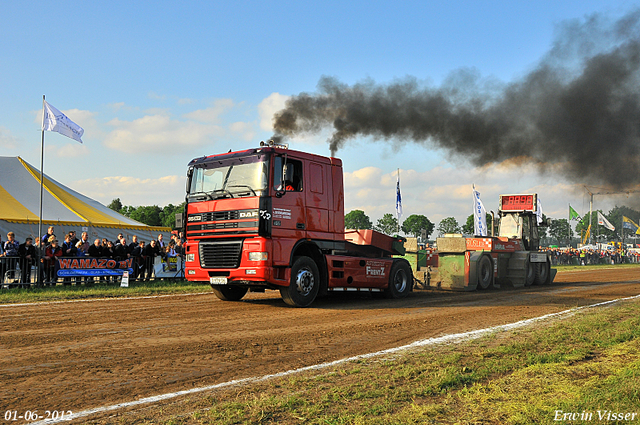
[80, 355]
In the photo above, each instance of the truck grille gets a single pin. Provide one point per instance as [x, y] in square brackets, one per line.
[220, 254]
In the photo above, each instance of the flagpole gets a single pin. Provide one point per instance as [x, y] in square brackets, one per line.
[397, 210]
[39, 278]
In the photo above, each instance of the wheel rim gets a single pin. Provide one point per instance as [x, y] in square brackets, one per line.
[304, 281]
[400, 281]
[485, 274]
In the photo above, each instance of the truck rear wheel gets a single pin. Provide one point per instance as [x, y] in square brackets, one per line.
[542, 273]
[305, 283]
[229, 293]
[400, 280]
[529, 273]
[485, 272]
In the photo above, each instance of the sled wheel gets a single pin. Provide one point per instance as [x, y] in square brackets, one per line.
[485, 272]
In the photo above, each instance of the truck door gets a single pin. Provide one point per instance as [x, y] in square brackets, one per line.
[317, 201]
[288, 211]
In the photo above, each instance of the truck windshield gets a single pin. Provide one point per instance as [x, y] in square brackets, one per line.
[510, 226]
[231, 178]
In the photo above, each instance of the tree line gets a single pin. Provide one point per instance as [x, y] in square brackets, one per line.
[558, 229]
[151, 215]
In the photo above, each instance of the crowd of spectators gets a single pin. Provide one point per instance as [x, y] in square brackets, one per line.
[568, 256]
[14, 255]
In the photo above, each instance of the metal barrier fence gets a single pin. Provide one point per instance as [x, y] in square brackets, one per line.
[20, 272]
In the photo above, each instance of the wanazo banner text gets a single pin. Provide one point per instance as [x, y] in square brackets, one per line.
[87, 266]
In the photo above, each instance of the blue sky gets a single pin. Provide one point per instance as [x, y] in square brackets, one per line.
[155, 84]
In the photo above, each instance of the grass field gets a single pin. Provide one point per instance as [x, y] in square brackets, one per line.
[135, 289]
[588, 364]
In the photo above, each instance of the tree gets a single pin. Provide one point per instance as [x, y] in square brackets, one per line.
[448, 225]
[468, 228]
[414, 224]
[168, 215]
[561, 231]
[149, 215]
[115, 205]
[388, 224]
[357, 219]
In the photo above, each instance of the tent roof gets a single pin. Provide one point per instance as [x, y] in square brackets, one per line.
[20, 200]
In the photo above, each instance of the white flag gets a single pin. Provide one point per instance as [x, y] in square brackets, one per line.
[479, 215]
[539, 212]
[54, 120]
[602, 220]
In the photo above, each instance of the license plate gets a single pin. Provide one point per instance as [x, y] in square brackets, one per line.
[218, 280]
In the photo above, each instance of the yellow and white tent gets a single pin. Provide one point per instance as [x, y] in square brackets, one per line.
[62, 207]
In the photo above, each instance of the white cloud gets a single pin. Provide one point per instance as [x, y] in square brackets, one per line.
[155, 96]
[268, 107]
[7, 140]
[244, 130]
[159, 134]
[212, 113]
[69, 150]
[134, 191]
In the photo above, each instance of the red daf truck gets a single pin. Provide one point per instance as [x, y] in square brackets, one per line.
[273, 218]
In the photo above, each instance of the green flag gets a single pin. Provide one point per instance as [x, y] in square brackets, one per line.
[573, 215]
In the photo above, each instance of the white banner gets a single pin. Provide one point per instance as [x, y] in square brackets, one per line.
[602, 220]
[539, 212]
[479, 215]
[54, 120]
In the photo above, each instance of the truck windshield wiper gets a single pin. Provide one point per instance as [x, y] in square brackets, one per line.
[243, 185]
[222, 193]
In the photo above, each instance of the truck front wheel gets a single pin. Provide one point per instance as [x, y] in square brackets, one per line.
[229, 293]
[305, 283]
[400, 280]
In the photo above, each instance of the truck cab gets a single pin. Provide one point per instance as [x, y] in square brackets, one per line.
[273, 218]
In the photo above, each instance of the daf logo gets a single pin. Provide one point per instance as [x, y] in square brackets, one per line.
[194, 218]
[248, 214]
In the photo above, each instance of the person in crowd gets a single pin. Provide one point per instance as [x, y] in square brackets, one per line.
[45, 238]
[95, 250]
[134, 243]
[107, 251]
[181, 237]
[138, 262]
[73, 238]
[69, 246]
[160, 242]
[52, 253]
[28, 257]
[121, 250]
[150, 253]
[118, 239]
[9, 254]
[69, 250]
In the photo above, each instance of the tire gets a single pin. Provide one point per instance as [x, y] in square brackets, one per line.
[529, 273]
[305, 283]
[400, 280]
[485, 272]
[229, 293]
[542, 273]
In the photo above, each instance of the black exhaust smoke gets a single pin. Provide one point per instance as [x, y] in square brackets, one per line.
[577, 112]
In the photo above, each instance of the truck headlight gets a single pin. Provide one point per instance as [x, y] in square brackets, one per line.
[191, 257]
[258, 256]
